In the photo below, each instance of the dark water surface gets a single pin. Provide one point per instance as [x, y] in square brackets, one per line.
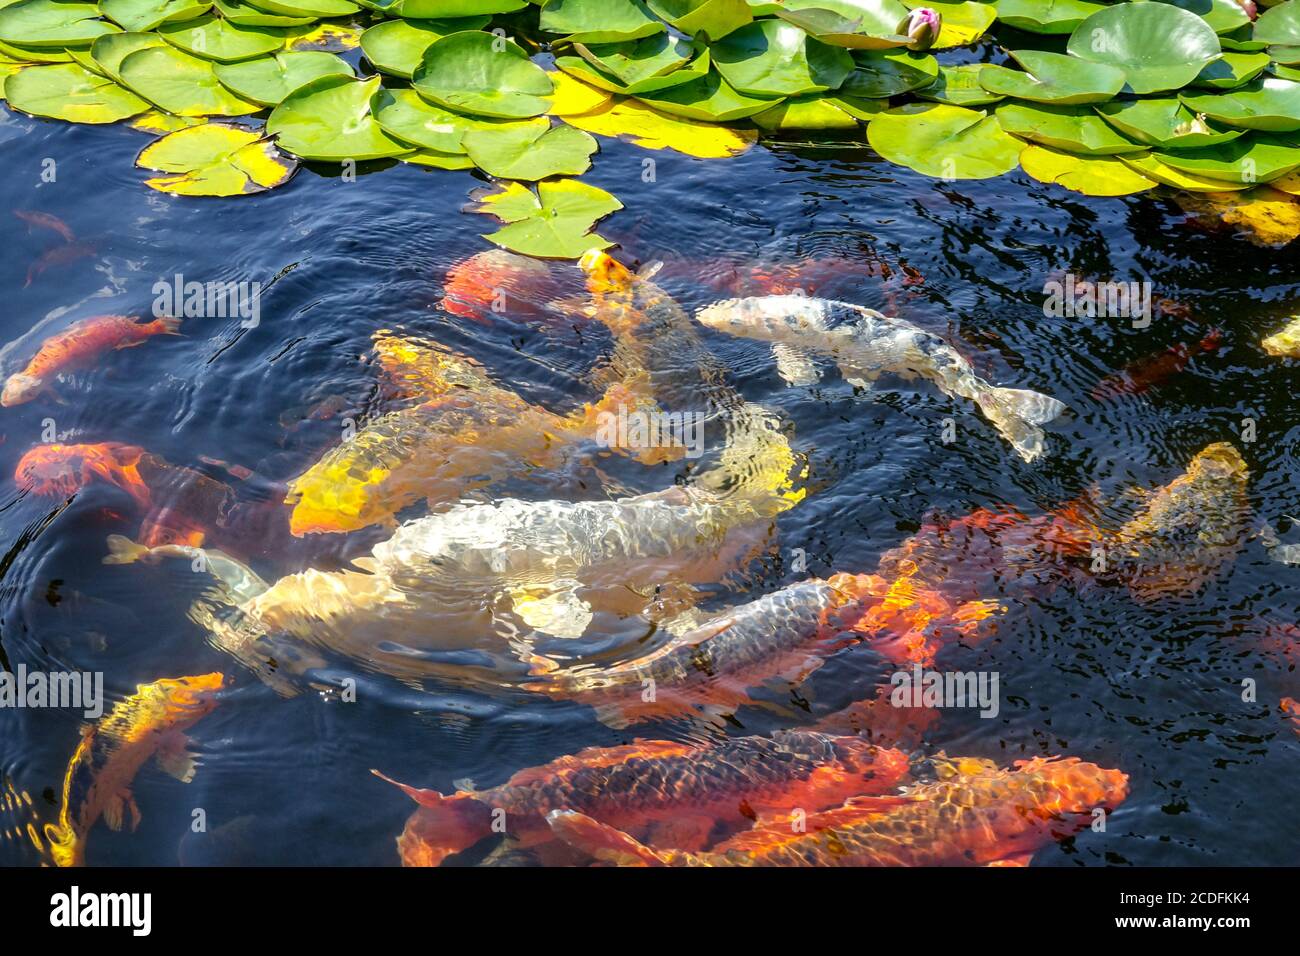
[1153, 690]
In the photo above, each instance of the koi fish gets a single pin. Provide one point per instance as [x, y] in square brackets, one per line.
[46, 220]
[77, 347]
[1154, 370]
[150, 723]
[1291, 709]
[58, 256]
[978, 815]
[1284, 342]
[1188, 530]
[470, 433]
[497, 283]
[62, 470]
[807, 276]
[865, 344]
[787, 634]
[694, 791]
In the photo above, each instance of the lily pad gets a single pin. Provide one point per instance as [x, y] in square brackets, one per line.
[1269, 104]
[109, 51]
[68, 91]
[306, 8]
[884, 73]
[31, 54]
[450, 9]
[960, 23]
[1053, 78]
[397, 46]
[817, 111]
[53, 23]
[436, 160]
[710, 98]
[325, 37]
[1163, 122]
[178, 83]
[1279, 28]
[1045, 16]
[213, 38]
[774, 58]
[650, 129]
[1074, 129]
[330, 120]
[633, 61]
[861, 24]
[1157, 45]
[138, 16]
[960, 86]
[1233, 70]
[598, 21]
[522, 151]
[589, 73]
[949, 142]
[553, 223]
[216, 159]
[480, 73]
[1223, 16]
[405, 115]
[712, 19]
[1091, 175]
[1254, 158]
[1151, 166]
[243, 15]
[268, 80]
[572, 97]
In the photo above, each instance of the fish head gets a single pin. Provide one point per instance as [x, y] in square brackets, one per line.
[605, 274]
[168, 527]
[1072, 785]
[192, 696]
[420, 369]
[1219, 463]
[494, 282]
[335, 496]
[20, 388]
[54, 469]
[882, 765]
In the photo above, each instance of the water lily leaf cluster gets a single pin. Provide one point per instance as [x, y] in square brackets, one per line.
[1102, 97]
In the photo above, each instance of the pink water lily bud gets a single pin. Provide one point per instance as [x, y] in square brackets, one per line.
[922, 27]
[1249, 6]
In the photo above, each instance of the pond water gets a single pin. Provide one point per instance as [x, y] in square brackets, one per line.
[1154, 690]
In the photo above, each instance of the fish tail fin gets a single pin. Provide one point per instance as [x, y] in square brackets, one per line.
[444, 825]
[601, 841]
[1017, 413]
[122, 550]
[168, 325]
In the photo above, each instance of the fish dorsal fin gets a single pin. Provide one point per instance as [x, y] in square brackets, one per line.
[592, 757]
[795, 365]
[425, 798]
[650, 269]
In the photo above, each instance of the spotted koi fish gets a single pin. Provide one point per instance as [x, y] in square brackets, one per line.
[692, 791]
[151, 723]
[497, 283]
[978, 816]
[78, 347]
[1285, 342]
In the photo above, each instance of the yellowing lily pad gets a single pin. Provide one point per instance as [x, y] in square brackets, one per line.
[960, 23]
[650, 129]
[1266, 216]
[68, 91]
[572, 97]
[1150, 166]
[1090, 175]
[554, 222]
[216, 159]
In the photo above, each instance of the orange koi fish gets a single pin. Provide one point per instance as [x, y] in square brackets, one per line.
[46, 220]
[58, 256]
[977, 815]
[1154, 370]
[150, 723]
[787, 634]
[497, 283]
[1291, 708]
[696, 792]
[62, 470]
[80, 346]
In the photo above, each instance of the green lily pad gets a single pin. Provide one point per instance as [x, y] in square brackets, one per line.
[269, 79]
[1254, 158]
[554, 223]
[1090, 175]
[1279, 29]
[397, 46]
[817, 111]
[480, 73]
[68, 91]
[216, 159]
[306, 8]
[589, 73]
[959, 86]
[884, 73]
[949, 142]
[446, 9]
[703, 18]
[775, 58]
[87, 61]
[243, 15]
[109, 51]
[213, 38]
[1053, 78]
[634, 61]
[1150, 166]
[1163, 122]
[961, 23]
[858, 107]
[1233, 70]
[1269, 104]
[710, 98]
[1045, 16]
[1074, 129]
[521, 151]
[861, 24]
[436, 160]
[1223, 16]
[330, 120]
[31, 54]
[598, 21]
[178, 83]
[137, 16]
[53, 23]
[1157, 45]
[405, 115]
